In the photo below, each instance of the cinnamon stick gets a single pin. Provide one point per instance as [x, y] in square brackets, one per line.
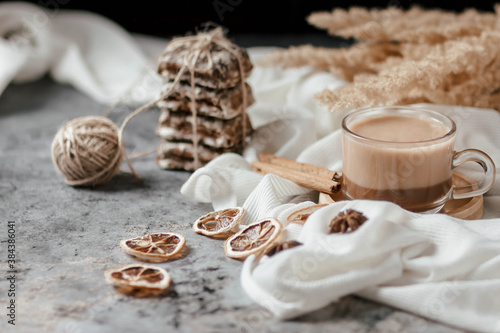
[308, 180]
[302, 167]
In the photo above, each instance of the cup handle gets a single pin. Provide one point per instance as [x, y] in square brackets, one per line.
[474, 155]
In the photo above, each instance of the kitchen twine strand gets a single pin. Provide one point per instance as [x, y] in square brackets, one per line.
[89, 150]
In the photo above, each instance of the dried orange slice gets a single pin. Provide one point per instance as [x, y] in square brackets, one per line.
[301, 215]
[255, 238]
[139, 280]
[157, 247]
[219, 223]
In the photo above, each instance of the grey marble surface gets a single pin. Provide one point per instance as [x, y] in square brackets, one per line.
[66, 237]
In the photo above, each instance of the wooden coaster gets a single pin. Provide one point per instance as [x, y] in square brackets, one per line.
[467, 209]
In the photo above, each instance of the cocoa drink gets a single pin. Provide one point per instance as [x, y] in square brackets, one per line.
[399, 154]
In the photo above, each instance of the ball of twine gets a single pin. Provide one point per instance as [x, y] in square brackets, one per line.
[88, 151]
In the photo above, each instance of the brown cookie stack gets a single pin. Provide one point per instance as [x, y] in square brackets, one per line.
[204, 70]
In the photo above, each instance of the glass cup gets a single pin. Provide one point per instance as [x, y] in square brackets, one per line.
[405, 155]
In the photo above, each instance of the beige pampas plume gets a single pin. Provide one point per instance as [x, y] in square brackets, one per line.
[344, 62]
[413, 26]
[406, 57]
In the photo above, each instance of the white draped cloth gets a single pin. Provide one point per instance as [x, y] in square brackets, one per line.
[435, 266]
[87, 51]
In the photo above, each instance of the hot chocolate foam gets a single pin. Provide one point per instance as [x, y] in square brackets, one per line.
[399, 129]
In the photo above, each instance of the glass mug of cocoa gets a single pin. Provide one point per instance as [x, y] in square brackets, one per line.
[405, 155]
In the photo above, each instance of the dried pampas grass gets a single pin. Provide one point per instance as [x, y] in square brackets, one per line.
[406, 57]
[413, 26]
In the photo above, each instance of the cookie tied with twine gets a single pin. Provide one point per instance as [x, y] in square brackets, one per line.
[209, 61]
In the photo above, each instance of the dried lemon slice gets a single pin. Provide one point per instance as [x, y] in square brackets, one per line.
[301, 215]
[255, 238]
[139, 280]
[157, 247]
[219, 223]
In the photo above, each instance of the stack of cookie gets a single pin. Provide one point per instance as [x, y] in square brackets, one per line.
[192, 135]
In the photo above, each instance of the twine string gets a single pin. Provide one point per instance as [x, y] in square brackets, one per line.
[140, 110]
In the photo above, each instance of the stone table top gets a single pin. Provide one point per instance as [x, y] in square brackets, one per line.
[67, 237]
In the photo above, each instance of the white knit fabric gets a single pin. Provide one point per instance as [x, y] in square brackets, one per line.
[436, 266]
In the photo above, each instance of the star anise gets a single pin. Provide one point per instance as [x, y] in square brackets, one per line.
[349, 220]
[281, 247]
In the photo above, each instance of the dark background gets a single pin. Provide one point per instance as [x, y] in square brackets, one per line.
[167, 18]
